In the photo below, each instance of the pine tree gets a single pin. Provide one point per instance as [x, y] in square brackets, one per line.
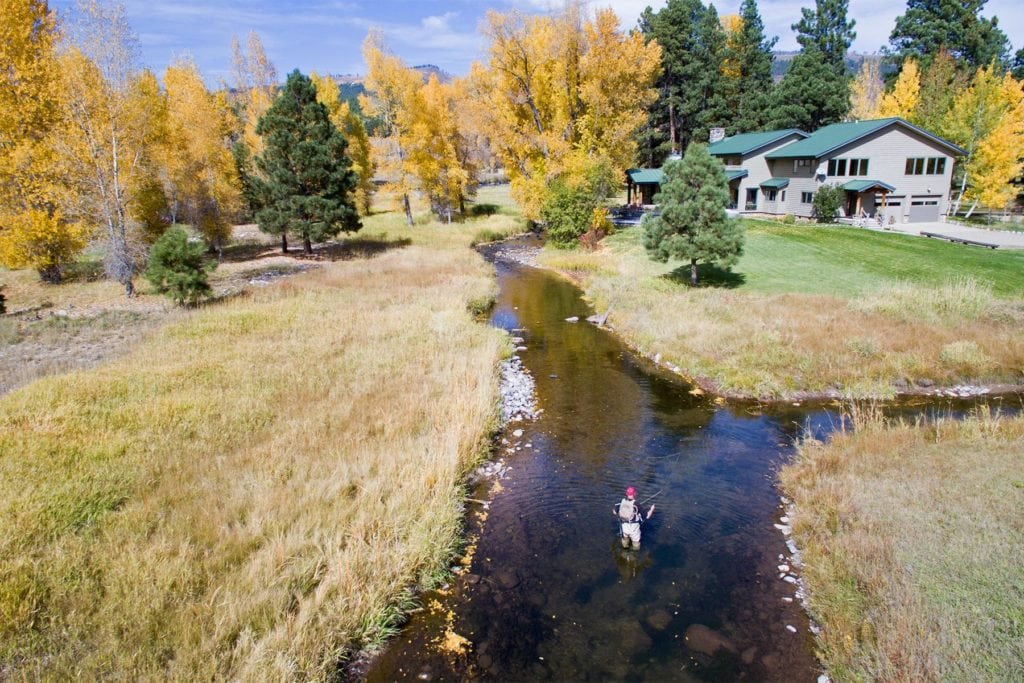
[827, 29]
[956, 26]
[754, 85]
[307, 179]
[178, 267]
[810, 95]
[684, 80]
[692, 224]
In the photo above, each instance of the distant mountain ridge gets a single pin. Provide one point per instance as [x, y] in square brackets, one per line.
[783, 58]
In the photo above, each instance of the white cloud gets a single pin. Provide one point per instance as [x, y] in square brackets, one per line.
[439, 23]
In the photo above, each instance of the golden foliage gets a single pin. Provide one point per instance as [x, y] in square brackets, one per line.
[732, 25]
[905, 94]
[203, 183]
[866, 91]
[558, 84]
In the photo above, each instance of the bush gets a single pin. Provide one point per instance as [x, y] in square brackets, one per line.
[178, 267]
[789, 219]
[827, 201]
[568, 212]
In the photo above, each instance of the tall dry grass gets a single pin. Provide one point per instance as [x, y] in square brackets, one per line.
[251, 492]
[912, 536]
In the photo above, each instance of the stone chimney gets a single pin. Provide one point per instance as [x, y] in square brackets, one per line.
[716, 135]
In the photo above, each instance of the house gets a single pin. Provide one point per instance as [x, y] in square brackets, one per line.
[889, 169]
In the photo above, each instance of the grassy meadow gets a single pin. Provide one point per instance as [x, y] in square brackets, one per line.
[912, 540]
[253, 490]
[813, 310]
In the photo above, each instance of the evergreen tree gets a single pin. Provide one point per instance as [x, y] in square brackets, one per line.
[178, 267]
[954, 25]
[752, 94]
[711, 50]
[685, 78]
[1017, 65]
[810, 95]
[692, 225]
[306, 178]
[827, 29]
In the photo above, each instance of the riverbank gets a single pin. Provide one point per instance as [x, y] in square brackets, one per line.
[254, 488]
[911, 539]
[818, 313]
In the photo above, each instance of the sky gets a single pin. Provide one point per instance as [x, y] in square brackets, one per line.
[325, 35]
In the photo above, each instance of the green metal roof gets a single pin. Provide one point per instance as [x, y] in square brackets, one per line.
[865, 185]
[777, 183]
[735, 174]
[830, 138]
[645, 176]
[744, 143]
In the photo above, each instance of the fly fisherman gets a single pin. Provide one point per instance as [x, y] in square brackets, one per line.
[631, 516]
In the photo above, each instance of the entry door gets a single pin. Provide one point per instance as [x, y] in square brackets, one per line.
[751, 199]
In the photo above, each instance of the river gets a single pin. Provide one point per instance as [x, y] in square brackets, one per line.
[551, 595]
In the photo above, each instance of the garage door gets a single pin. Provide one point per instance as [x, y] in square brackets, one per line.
[924, 209]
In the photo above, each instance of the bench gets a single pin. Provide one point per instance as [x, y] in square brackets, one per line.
[960, 240]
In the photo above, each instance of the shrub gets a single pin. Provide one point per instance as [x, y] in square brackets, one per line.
[178, 267]
[568, 212]
[827, 201]
[789, 219]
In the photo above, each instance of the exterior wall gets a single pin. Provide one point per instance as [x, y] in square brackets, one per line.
[759, 171]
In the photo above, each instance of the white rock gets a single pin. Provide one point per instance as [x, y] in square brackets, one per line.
[573, 319]
[791, 628]
[783, 567]
[784, 519]
[789, 578]
[787, 599]
[823, 678]
[791, 545]
[517, 433]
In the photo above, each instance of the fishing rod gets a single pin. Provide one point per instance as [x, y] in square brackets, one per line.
[651, 497]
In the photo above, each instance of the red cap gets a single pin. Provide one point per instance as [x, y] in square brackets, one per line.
[630, 492]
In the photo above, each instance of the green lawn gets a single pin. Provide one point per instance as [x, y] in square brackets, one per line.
[846, 261]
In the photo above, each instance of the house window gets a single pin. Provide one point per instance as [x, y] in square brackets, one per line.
[800, 163]
[837, 167]
[858, 166]
[806, 197]
[770, 194]
[783, 195]
[926, 166]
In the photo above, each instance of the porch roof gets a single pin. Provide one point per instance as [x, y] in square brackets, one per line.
[732, 174]
[866, 185]
[776, 183]
[645, 176]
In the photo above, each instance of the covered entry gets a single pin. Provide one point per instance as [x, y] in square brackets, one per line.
[641, 186]
[862, 195]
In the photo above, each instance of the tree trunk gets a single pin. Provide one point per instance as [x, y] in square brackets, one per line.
[971, 210]
[307, 246]
[672, 127]
[129, 288]
[50, 275]
[693, 272]
[462, 205]
[284, 243]
[408, 209]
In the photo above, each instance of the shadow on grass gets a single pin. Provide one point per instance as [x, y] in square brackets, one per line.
[347, 249]
[708, 275]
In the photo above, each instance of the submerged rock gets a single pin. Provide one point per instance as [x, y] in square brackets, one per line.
[708, 641]
[659, 620]
[573, 319]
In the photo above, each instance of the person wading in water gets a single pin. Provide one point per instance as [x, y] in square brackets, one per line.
[630, 518]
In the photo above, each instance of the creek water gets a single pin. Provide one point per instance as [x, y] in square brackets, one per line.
[550, 594]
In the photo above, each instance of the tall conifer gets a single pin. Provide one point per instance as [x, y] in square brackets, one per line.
[754, 59]
[306, 178]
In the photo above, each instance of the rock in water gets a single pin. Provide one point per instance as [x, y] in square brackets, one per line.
[659, 620]
[700, 638]
[573, 319]
[749, 654]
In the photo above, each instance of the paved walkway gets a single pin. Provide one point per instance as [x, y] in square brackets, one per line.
[1006, 239]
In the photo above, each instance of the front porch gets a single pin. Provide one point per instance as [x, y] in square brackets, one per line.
[865, 199]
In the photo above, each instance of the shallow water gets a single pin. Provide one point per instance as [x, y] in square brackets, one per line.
[551, 595]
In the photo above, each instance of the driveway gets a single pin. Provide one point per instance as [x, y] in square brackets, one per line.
[1006, 239]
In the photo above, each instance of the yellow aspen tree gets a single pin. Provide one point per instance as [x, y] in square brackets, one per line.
[432, 142]
[351, 125]
[109, 137]
[732, 25]
[559, 86]
[391, 88]
[255, 84]
[866, 91]
[988, 121]
[204, 186]
[34, 231]
[905, 94]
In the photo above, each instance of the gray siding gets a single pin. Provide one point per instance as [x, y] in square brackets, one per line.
[887, 152]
